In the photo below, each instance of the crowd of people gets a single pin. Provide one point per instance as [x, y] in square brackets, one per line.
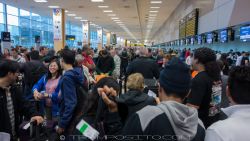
[126, 93]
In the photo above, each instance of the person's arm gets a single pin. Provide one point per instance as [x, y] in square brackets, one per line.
[70, 101]
[39, 85]
[198, 90]
[156, 71]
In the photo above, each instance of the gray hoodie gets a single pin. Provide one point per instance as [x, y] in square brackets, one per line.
[184, 119]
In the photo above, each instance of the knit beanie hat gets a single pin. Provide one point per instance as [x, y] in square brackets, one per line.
[175, 77]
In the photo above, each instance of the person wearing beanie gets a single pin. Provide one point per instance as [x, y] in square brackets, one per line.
[169, 120]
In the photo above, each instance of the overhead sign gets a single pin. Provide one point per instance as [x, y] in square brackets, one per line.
[85, 27]
[5, 36]
[99, 35]
[57, 24]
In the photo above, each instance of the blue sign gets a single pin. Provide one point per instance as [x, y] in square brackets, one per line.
[209, 38]
[223, 36]
[245, 33]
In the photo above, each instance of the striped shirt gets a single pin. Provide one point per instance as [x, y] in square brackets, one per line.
[10, 109]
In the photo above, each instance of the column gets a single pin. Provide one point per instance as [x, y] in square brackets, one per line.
[86, 33]
[59, 28]
[99, 38]
[108, 35]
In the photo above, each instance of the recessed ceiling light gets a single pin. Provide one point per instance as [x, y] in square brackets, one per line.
[40, 0]
[71, 15]
[155, 7]
[96, 0]
[111, 15]
[66, 11]
[78, 18]
[53, 6]
[107, 11]
[156, 2]
[117, 20]
[114, 18]
[103, 6]
[153, 11]
[83, 20]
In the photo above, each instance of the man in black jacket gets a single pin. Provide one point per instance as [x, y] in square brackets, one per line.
[12, 102]
[144, 65]
[169, 120]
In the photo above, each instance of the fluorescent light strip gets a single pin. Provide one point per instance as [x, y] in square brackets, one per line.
[156, 2]
[155, 7]
[107, 11]
[111, 15]
[152, 15]
[153, 11]
[66, 11]
[78, 18]
[83, 20]
[41, 1]
[53, 6]
[103, 6]
[115, 18]
[96, 0]
[71, 15]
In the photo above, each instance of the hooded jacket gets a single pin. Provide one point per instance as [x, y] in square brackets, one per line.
[167, 121]
[133, 101]
[68, 83]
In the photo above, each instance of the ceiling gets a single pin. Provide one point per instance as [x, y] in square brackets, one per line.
[132, 13]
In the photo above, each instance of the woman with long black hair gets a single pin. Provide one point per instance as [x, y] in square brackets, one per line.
[206, 87]
[47, 88]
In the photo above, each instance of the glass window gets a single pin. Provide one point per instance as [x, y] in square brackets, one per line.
[1, 28]
[35, 17]
[1, 7]
[14, 34]
[25, 37]
[24, 14]
[35, 25]
[12, 20]
[12, 10]
[24, 22]
[1, 18]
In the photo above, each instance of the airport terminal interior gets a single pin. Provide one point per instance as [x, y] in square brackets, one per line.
[97, 70]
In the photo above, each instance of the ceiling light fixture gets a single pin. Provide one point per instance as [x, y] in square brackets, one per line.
[152, 15]
[153, 11]
[114, 18]
[71, 15]
[96, 0]
[78, 18]
[103, 6]
[66, 11]
[117, 20]
[42, 1]
[155, 7]
[107, 11]
[156, 2]
[53, 6]
[111, 15]
[83, 20]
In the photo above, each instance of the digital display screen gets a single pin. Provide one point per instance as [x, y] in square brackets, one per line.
[245, 33]
[192, 40]
[209, 38]
[70, 37]
[199, 39]
[223, 36]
